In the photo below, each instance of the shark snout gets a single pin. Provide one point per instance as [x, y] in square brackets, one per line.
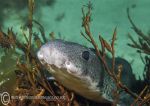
[40, 55]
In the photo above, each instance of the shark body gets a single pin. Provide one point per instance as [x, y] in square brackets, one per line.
[79, 69]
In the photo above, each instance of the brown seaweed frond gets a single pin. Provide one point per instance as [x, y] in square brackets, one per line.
[28, 74]
[30, 78]
[145, 95]
[143, 45]
[30, 19]
[116, 77]
[41, 29]
[7, 41]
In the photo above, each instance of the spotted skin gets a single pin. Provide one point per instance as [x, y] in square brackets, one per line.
[79, 69]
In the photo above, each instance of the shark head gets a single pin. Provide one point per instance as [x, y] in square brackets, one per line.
[74, 66]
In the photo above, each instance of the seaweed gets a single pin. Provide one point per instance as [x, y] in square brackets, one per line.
[143, 45]
[116, 77]
[31, 80]
[143, 48]
[30, 77]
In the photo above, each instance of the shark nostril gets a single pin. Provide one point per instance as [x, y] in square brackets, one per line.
[67, 63]
[40, 55]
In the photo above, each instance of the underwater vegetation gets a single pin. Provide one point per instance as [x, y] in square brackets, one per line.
[31, 79]
[142, 46]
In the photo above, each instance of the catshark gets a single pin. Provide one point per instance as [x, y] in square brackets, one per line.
[79, 69]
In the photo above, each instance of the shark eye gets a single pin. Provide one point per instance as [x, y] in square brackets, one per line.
[85, 55]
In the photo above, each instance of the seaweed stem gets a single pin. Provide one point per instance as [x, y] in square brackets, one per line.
[41, 30]
[111, 72]
[137, 30]
[144, 40]
[113, 50]
[31, 8]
